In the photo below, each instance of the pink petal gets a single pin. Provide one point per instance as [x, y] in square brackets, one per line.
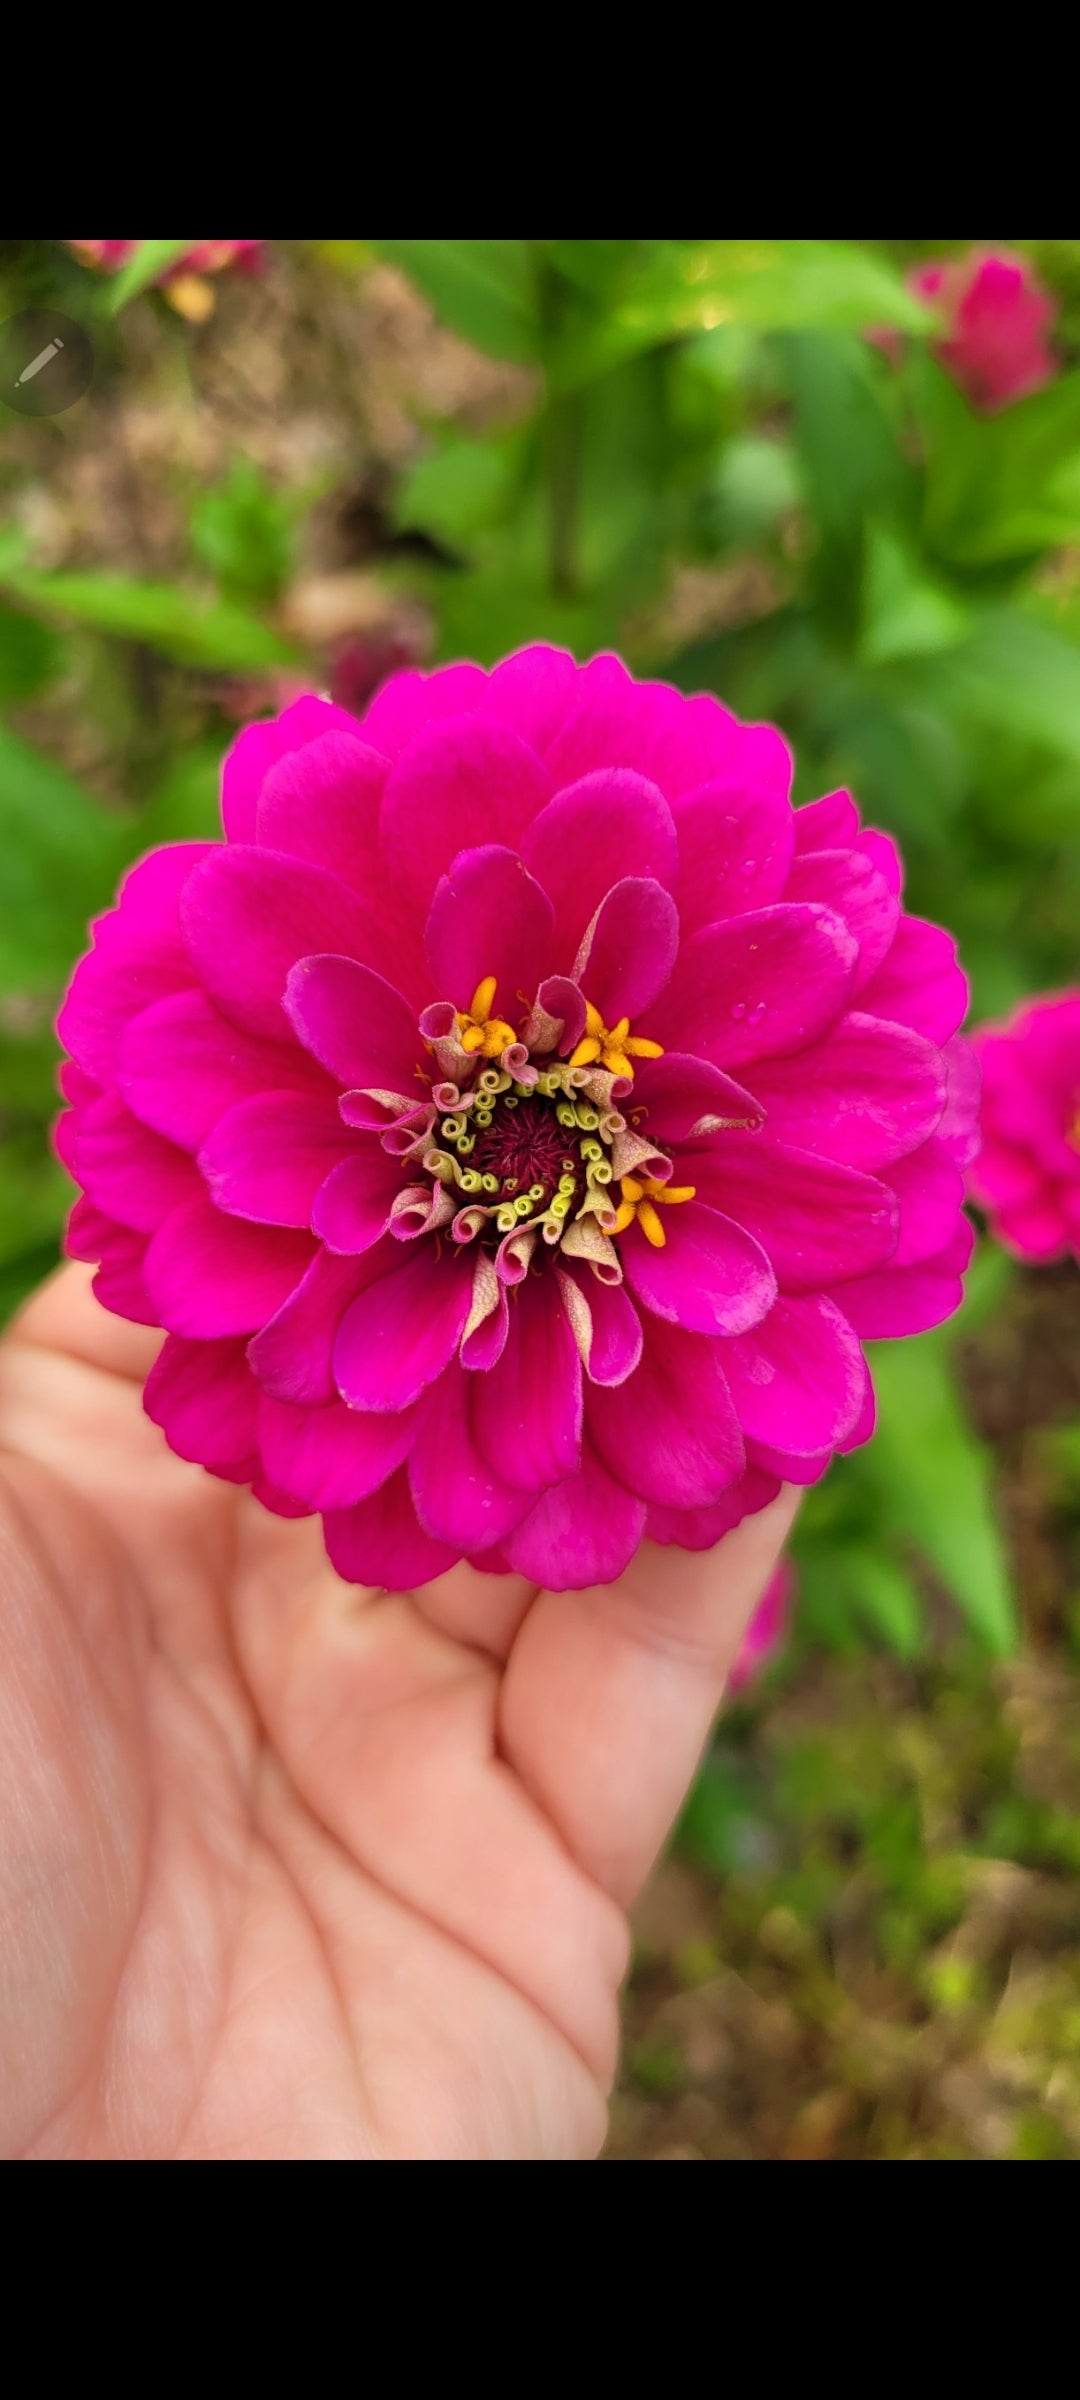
[903, 1300]
[481, 1348]
[413, 700]
[629, 949]
[677, 742]
[1037, 1230]
[249, 915]
[380, 1543]
[920, 983]
[257, 751]
[848, 883]
[267, 1157]
[797, 1381]
[828, 824]
[757, 986]
[293, 1354]
[118, 1284]
[464, 782]
[353, 1207]
[959, 1126]
[527, 1410]
[205, 1399]
[534, 692]
[210, 1275]
[670, 1433]
[582, 1533]
[322, 803]
[331, 1457]
[883, 854]
[685, 1099]
[702, 1528]
[181, 1064]
[734, 852]
[280, 1504]
[356, 1024]
[128, 1171]
[609, 825]
[815, 1221]
[138, 957]
[489, 917]
[930, 1189]
[402, 1330]
[867, 1094]
[612, 1326]
[457, 1497]
[1006, 1178]
[710, 1277]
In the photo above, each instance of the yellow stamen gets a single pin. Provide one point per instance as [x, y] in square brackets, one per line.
[480, 1004]
[641, 1195]
[650, 1224]
[614, 1047]
[478, 1030]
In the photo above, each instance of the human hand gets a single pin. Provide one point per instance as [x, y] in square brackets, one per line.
[291, 1870]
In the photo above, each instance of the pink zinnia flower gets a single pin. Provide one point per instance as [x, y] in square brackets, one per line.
[1027, 1175]
[203, 258]
[519, 1122]
[997, 317]
[766, 1629]
[184, 283]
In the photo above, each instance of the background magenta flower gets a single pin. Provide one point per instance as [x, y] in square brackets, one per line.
[184, 283]
[766, 1630]
[997, 317]
[1027, 1174]
[520, 1122]
[203, 258]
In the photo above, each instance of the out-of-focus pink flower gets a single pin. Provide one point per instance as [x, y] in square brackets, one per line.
[519, 1122]
[766, 1629]
[184, 283]
[203, 258]
[1027, 1174]
[363, 662]
[997, 317]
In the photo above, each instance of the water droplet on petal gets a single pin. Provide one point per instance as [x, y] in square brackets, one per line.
[755, 1014]
[749, 866]
[738, 1008]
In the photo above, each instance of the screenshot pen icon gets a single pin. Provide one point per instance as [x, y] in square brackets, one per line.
[40, 361]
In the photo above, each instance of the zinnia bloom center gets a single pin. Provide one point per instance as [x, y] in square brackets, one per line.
[518, 1152]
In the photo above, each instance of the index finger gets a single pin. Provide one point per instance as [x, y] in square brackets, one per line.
[609, 1695]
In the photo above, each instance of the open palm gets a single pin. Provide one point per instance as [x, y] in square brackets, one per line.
[291, 1870]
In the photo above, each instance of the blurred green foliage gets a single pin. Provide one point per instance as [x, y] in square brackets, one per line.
[702, 461]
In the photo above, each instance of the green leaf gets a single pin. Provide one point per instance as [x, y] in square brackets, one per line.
[148, 261]
[1004, 486]
[62, 853]
[455, 493]
[1013, 675]
[886, 1598]
[242, 530]
[906, 613]
[185, 807]
[30, 655]
[692, 287]
[756, 486]
[485, 290]
[847, 438]
[934, 1478]
[186, 626]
